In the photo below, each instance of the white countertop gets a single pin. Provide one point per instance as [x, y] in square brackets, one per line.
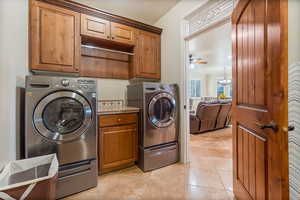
[123, 109]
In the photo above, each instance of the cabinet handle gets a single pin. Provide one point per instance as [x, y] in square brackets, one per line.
[113, 37]
[119, 120]
[108, 37]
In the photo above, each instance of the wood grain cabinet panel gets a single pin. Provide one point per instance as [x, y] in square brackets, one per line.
[122, 33]
[118, 146]
[117, 142]
[104, 64]
[147, 56]
[95, 27]
[54, 38]
[113, 120]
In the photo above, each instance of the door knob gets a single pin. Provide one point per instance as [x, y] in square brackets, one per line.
[273, 125]
[291, 128]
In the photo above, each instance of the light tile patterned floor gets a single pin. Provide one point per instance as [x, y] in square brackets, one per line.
[207, 177]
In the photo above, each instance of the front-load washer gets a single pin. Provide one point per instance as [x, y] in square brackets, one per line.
[158, 135]
[61, 118]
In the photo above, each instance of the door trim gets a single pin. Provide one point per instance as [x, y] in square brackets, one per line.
[185, 37]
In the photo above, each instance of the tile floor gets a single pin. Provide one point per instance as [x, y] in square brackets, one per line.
[207, 177]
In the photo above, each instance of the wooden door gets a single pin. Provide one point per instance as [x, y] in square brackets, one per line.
[147, 56]
[54, 38]
[95, 27]
[260, 99]
[122, 33]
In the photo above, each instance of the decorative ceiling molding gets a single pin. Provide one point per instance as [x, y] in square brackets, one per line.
[210, 14]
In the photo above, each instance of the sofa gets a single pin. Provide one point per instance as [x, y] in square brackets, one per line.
[210, 116]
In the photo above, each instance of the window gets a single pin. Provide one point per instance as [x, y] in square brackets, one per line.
[220, 89]
[195, 88]
[225, 89]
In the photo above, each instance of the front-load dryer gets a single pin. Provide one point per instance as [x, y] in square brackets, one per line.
[61, 118]
[158, 135]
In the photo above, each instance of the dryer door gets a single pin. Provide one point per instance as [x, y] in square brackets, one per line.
[162, 109]
[62, 116]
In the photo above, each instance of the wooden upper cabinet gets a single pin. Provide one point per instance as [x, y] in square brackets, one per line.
[103, 29]
[122, 33]
[147, 56]
[54, 38]
[95, 27]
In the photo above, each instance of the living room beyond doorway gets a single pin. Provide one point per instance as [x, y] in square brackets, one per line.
[210, 102]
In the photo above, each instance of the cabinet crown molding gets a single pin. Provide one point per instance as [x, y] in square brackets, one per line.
[81, 8]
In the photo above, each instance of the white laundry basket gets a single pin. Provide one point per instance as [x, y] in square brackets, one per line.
[33, 178]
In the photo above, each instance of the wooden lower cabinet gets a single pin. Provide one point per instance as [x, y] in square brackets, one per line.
[117, 142]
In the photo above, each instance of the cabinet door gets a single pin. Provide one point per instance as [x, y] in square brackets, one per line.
[117, 147]
[95, 27]
[122, 33]
[54, 38]
[147, 56]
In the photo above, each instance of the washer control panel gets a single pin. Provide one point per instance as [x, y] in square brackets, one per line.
[75, 84]
[86, 84]
[65, 82]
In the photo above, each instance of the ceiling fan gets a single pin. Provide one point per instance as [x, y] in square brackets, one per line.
[194, 60]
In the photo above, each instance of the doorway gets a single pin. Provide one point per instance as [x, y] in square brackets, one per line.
[210, 99]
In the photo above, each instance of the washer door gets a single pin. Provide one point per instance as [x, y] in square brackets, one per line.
[161, 110]
[62, 116]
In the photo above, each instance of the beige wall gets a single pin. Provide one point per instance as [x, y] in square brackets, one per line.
[294, 30]
[202, 77]
[211, 85]
[172, 46]
[209, 82]
[13, 68]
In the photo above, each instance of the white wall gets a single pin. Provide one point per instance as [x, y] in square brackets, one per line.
[140, 10]
[13, 69]
[172, 51]
[294, 100]
[111, 89]
[213, 46]
[171, 39]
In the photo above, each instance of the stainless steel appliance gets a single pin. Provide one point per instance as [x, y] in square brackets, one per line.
[158, 137]
[60, 117]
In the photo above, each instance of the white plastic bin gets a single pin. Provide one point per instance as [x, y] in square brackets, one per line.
[33, 178]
